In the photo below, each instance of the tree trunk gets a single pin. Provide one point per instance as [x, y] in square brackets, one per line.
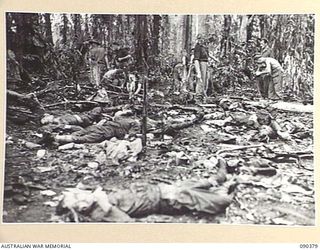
[249, 27]
[187, 34]
[141, 42]
[110, 29]
[226, 43]
[76, 28]
[48, 30]
[201, 23]
[121, 25]
[64, 29]
[165, 27]
[262, 23]
[23, 32]
[86, 27]
[243, 28]
[156, 34]
[128, 32]
[95, 26]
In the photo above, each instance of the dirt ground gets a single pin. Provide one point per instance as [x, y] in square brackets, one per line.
[286, 198]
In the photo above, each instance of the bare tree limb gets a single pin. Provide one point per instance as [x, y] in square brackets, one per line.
[70, 102]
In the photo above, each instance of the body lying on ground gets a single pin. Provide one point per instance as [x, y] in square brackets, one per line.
[83, 120]
[123, 123]
[96, 133]
[265, 124]
[209, 196]
[85, 129]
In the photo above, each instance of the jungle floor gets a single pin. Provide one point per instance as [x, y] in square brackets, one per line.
[286, 197]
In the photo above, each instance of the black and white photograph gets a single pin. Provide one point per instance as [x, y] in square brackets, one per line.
[159, 118]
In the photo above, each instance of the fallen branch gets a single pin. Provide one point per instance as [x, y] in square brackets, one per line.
[294, 153]
[284, 106]
[70, 102]
[110, 91]
[176, 106]
[294, 157]
[113, 109]
[238, 148]
[17, 109]
[88, 87]
[261, 104]
[50, 89]
[208, 105]
[123, 94]
[192, 109]
[292, 107]
[117, 93]
[241, 98]
[160, 105]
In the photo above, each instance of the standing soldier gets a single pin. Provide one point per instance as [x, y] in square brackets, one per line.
[273, 72]
[201, 60]
[263, 80]
[97, 58]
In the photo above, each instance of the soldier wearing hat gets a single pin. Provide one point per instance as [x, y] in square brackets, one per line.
[97, 58]
[273, 71]
[201, 55]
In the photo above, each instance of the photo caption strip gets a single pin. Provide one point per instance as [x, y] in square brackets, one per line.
[157, 246]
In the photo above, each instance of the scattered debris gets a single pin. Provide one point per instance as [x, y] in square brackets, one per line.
[263, 152]
[71, 145]
[41, 153]
[48, 193]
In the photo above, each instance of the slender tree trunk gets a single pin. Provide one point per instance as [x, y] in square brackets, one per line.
[226, 43]
[48, 30]
[76, 27]
[119, 24]
[64, 30]
[110, 30]
[129, 25]
[249, 28]
[156, 34]
[277, 44]
[243, 28]
[165, 27]
[262, 23]
[141, 42]
[95, 26]
[86, 27]
[187, 36]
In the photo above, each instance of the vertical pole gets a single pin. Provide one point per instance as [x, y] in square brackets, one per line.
[197, 25]
[104, 37]
[144, 114]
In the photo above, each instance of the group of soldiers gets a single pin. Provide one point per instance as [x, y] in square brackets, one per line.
[269, 74]
[117, 60]
[210, 196]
